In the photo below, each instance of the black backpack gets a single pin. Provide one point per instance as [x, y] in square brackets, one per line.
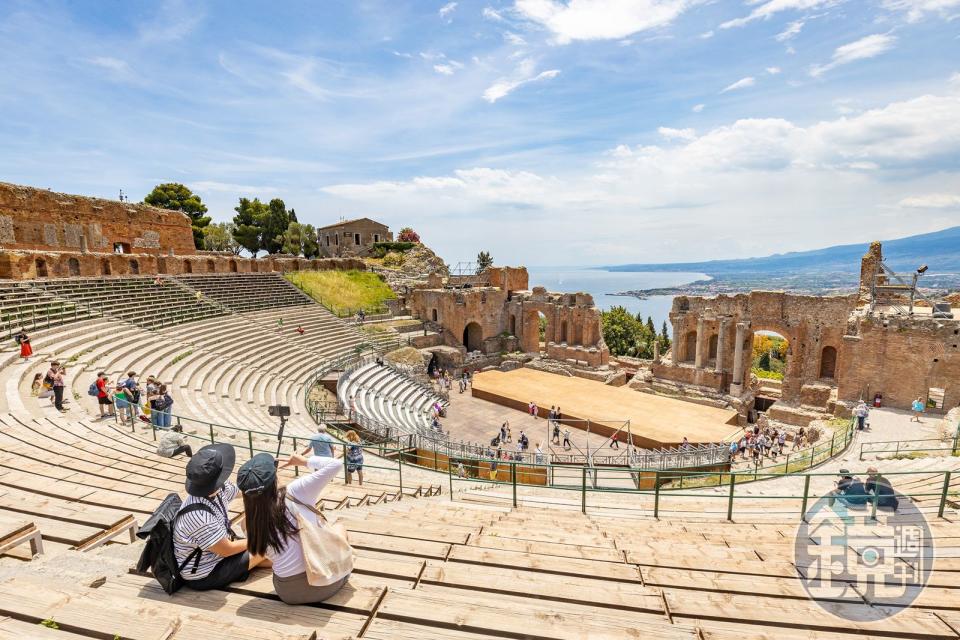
[158, 557]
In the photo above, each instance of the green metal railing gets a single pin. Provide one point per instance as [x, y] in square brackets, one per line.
[896, 448]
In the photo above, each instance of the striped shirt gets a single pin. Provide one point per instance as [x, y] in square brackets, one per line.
[202, 529]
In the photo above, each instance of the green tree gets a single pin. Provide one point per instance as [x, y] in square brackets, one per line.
[301, 239]
[275, 224]
[650, 328]
[177, 197]
[219, 237]
[248, 224]
[484, 261]
[621, 331]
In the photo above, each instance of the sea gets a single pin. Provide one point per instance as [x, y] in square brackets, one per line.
[602, 285]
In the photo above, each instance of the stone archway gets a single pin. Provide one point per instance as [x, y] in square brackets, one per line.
[211, 266]
[73, 267]
[105, 268]
[187, 266]
[473, 337]
[134, 267]
[233, 266]
[41, 268]
[828, 363]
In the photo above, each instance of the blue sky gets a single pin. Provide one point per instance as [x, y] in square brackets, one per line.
[547, 132]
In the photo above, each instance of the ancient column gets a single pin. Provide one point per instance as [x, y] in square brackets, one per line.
[656, 351]
[721, 338]
[677, 339]
[736, 385]
[698, 361]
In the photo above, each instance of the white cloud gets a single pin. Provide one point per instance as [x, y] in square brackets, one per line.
[446, 10]
[697, 108]
[916, 10]
[400, 54]
[768, 9]
[109, 63]
[514, 38]
[492, 14]
[600, 19]
[791, 31]
[206, 186]
[742, 83]
[447, 68]
[773, 70]
[706, 35]
[862, 49]
[523, 74]
[932, 201]
[677, 134]
[174, 20]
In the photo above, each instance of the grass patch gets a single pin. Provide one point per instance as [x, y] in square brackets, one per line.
[910, 455]
[767, 375]
[344, 292]
[181, 356]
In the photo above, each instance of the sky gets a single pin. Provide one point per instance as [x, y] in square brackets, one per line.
[547, 132]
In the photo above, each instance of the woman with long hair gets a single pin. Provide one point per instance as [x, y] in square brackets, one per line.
[354, 456]
[272, 514]
[23, 340]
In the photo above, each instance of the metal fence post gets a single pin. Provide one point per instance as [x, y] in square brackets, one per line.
[806, 493]
[450, 478]
[943, 496]
[250, 442]
[583, 489]
[656, 494]
[513, 479]
[400, 469]
[733, 483]
[211, 433]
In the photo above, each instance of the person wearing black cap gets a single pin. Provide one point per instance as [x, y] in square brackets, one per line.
[272, 515]
[849, 490]
[203, 534]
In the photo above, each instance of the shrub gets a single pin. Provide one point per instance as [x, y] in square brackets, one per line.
[393, 259]
[408, 235]
[381, 249]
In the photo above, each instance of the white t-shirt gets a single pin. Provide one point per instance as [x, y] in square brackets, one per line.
[202, 529]
[288, 561]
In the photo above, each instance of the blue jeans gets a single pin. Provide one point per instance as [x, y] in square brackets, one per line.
[160, 419]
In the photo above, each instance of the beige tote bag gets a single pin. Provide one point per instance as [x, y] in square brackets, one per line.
[326, 552]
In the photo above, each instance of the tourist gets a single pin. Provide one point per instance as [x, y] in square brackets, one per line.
[160, 408]
[22, 339]
[353, 408]
[523, 441]
[301, 331]
[158, 281]
[558, 416]
[685, 444]
[917, 407]
[551, 415]
[849, 490]
[47, 391]
[276, 518]
[321, 443]
[614, 442]
[503, 432]
[742, 447]
[133, 392]
[880, 487]
[173, 443]
[538, 455]
[199, 297]
[566, 440]
[59, 386]
[354, 457]
[733, 449]
[861, 411]
[798, 438]
[104, 402]
[781, 441]
[493, 467]
[36, 385]
[531, 408]
[280, 323]
[556, 433]
[204, 544]
[461, 472]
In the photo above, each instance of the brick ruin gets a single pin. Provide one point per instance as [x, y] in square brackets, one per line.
[503, 314]
[44, 234]
[839, 351]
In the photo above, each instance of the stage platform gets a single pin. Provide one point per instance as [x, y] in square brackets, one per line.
[655, 421]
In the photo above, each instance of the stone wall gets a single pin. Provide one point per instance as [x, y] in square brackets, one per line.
[472, 316]
[37, 219]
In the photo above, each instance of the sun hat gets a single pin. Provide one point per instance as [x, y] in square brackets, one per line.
[256, 474]
[209, 469]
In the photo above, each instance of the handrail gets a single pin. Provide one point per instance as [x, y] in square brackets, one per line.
[906, 445]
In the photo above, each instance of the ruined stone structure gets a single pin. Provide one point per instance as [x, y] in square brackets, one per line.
[839, 351]
[505, 315]
[352, 237]
[54, 235]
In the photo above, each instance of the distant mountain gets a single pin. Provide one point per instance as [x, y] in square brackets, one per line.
[940, 250]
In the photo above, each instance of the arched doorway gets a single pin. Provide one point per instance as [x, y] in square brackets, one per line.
[233, 266]
[714, 342]
[513, 325]
[690, 346]
[187, 266]
[473, 337]
[41, 268]
[105, 267]
[828, 363]
[73, 267]
[134, 267]
[563, 331]
[211, 266]
[433, 315]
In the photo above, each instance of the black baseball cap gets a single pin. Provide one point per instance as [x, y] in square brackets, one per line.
[257, 473]
[209, 469]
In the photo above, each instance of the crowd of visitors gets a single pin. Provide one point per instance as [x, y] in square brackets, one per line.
[770, 443]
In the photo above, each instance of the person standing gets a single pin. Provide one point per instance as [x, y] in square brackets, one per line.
[354, 457]
[556, 432]
[538, 455]
[861, 412]
[321, 443]
[917, 407]
[59, 386]
[566, 440]
[104, 402]
[275, 517]
[161, 407]
[23, 340]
